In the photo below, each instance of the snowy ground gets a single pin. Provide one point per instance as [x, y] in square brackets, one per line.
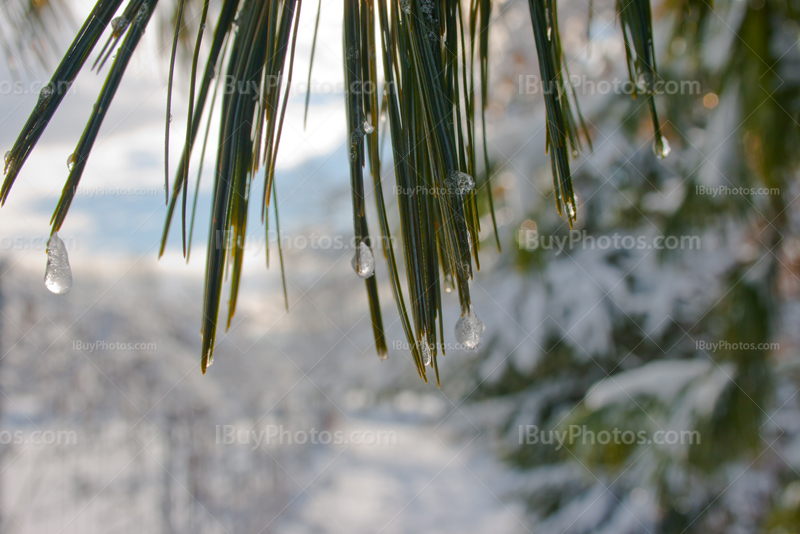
[113, 366]
[427, 483]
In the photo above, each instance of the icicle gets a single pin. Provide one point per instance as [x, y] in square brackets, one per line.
[58, 276]
[425, 349]
[363, 261]
[117, 25]
[469, 330]
[45, 94]
[661, 147]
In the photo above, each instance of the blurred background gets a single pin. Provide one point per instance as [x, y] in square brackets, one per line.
[639, 373]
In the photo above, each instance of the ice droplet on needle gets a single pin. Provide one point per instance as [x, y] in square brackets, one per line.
[425, 349]
[363, 261]
[661, 149]
[460, 182]
[58, 275]
[469, 330]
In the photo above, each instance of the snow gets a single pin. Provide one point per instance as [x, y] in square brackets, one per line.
[660, 379]
[433, 486]
[146, 419]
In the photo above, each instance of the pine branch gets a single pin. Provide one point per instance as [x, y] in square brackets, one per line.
[427, 54]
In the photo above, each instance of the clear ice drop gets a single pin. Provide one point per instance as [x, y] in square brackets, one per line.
[469, 330]
[367, 127]
[449, 283]
[661, 150]
[460, 182]
[117, 25]
[425, 349]
[45, 94]
[363, 261]
[58, 276]
[571, 210]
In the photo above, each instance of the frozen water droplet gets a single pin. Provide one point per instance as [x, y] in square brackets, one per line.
[45, 94]
[71, 162]
[363, 261]
[449, 283]
[7, 157]
[425, 349]
[460, 182]
[574, 153]
[661, 149]
[170, 117]
[469, 330]
[367, 127]
[58, 275]
[406, 6]
[117, 25]
[142, 13]
[571, 210]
